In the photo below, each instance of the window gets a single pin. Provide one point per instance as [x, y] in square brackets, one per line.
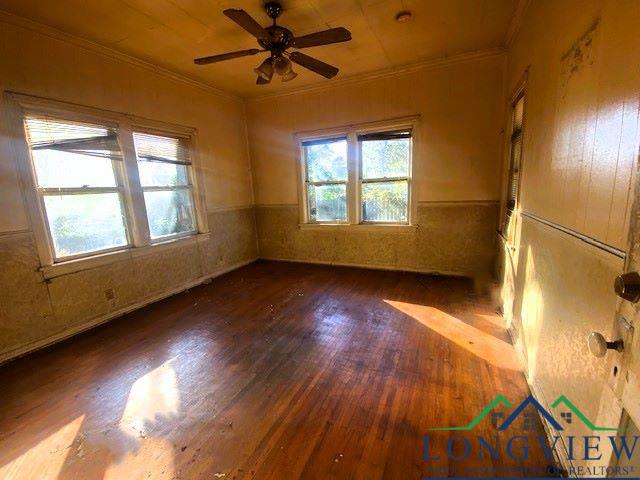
[385, 160]
[358, 175]
[163, 165]
[326, 179]
[105, 182]
[78, 177]
[515, 160]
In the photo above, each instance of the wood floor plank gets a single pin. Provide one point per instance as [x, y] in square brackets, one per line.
[273, 371]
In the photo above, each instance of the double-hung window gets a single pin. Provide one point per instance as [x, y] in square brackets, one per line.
[106, 182]
[78, 172]
[358, 175]
[163, 165]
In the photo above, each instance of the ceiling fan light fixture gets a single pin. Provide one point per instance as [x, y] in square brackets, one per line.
[265, 70]
[282, 65]
[290, 75]
[277, 40]
[403, 16]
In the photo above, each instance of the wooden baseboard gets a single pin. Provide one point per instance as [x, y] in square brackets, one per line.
[370, 266]
[11, 354]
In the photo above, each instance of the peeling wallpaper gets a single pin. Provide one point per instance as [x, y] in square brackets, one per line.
[34, 312]
[561, 293]
[457, 238]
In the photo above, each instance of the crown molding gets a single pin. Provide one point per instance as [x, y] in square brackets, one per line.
[386, 73]
[25, 23]
[516, 22]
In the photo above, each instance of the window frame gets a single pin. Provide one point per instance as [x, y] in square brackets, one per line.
[509, 217]
[19, 106]
[354, 168]
[189, 186]
[362, 181]
[119, 188]
[305, 176]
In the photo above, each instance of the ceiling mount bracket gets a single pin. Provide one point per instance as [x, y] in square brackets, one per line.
[273, 9]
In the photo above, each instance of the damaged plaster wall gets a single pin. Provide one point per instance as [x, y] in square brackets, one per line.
[449, 238]
[580, 153]
[34, 312]
[455, 182]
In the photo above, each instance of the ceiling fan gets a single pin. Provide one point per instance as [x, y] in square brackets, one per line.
[277, 40]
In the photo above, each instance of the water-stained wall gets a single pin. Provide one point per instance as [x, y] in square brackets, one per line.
[33, 311]
[457, 158]
[579, 158]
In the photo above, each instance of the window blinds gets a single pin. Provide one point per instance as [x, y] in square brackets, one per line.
[46, 133]
[154, 148]
[395, 135]
[322, 141]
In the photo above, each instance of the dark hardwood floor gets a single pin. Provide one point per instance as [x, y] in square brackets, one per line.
[273, 371]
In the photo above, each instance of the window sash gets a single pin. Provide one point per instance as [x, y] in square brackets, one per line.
[406, 180]
[42, 193]
[192, 210]
[308, 202]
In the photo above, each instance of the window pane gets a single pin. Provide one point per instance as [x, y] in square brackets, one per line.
[327, 203]
[157, 174]
[385, 201]
[169, 212]
[385, 158]
[85, 223]
[326, 161]
[56, 169]
[70, 154]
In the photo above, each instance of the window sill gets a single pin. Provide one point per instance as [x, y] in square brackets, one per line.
[99, 260]
[374, 227]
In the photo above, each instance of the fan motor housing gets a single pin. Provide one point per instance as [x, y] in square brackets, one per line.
[280, 39]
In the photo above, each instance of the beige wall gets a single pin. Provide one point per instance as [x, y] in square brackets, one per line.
[456, 162]
[580, 152]
[581, 113]
[32, 311]
[461, 117]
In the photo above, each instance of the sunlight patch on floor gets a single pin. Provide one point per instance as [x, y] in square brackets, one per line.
[53, 451]
[153, 397]
[487, 347]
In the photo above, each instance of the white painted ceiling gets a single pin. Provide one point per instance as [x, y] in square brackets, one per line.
[171, 33]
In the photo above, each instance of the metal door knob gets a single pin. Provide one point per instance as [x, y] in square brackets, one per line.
[598, 345]
[627, 286]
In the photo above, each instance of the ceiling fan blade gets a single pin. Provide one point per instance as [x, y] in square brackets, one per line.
[247, 22]
[313, 64]
[226, 56]
[262, 81]
[333, 35]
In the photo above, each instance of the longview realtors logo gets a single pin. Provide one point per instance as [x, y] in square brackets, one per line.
[518, 448]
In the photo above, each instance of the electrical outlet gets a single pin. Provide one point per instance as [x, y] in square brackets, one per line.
[109, 294]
